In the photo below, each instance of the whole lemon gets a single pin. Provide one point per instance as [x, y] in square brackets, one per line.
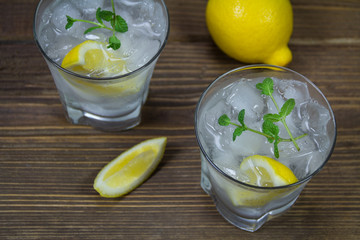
[252, 31]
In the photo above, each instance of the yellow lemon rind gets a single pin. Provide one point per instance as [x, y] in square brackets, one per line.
[279, 173]
[155, 145]
[75, 61]
[75, 56]
[255, 32]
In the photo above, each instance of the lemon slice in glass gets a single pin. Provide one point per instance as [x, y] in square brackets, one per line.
[130, 169]
[91, 58]
[266, 172]
[261, 171]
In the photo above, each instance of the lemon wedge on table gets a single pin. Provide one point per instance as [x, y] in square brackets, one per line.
[261, 171]
[130, 169]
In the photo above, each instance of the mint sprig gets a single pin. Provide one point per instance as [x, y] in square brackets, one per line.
[118, 24]
[267, 88]
[269, 129]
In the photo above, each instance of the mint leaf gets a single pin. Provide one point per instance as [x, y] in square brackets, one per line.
[119, 24]
[114, 42]
[241, 117]
[272, 117]
[266, 87]
[237, 132]
[270, 129]
[287, 107]
[224, 120]
[98, 17]
[106, 15]
[70, 22]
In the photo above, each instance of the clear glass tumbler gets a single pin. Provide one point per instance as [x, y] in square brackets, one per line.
[246, 206]
[106, 103]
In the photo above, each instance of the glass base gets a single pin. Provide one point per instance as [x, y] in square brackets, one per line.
[113, 123]
[244, 223]
[248, 224]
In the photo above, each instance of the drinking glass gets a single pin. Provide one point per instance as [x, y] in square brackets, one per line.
[246, 206]
[106, 103]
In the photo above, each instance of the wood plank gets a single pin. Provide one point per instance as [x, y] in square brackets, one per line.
[47, 165]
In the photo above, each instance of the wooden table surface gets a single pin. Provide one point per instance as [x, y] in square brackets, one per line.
[47, 165]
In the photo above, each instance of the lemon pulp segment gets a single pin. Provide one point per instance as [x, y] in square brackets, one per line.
[90, 58]
[266, 172]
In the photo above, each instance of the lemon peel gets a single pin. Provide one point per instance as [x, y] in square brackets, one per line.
[130, 169]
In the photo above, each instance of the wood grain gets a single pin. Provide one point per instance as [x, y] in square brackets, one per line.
[47, 165]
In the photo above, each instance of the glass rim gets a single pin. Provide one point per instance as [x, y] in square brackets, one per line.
[117, 77]
[208, 158]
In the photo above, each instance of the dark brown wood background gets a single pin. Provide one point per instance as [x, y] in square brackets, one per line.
[47, 166]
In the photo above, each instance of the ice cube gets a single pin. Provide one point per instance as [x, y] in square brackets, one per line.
[304, 165]
[303, 162]
[48, 36]
[314, 117]
[64, 44]
[142, 50]
[128, 10]
[322, 141]
[294, 89]
[147, 12]
[46, 16]
[89, 7]
[131, 3]
[62, 9]
[245, 96]
[146, 9]
[214, 138]
[227, 163]
[145, 29]
[288, 149]
[216, 134]
[230, 165]
[249, 143]
[271, 107]
[315, 160]
[158, 22]
[136, 11]
[291, 124]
